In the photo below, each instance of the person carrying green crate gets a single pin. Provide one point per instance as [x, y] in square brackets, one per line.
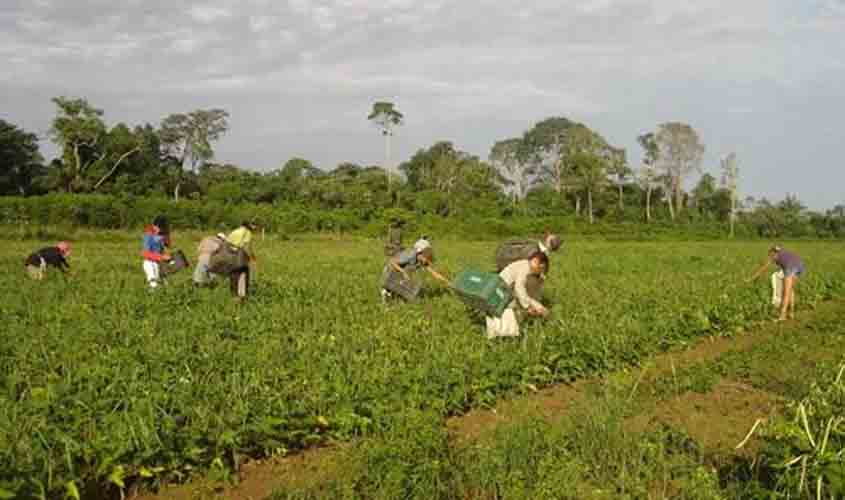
[512, 251]
[421, 255]
[517, 275]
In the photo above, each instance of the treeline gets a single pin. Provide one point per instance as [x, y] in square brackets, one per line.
[558, 171]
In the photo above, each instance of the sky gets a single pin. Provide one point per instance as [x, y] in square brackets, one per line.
[763, 78]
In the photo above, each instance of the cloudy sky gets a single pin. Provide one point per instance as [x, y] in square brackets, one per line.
[763, 78]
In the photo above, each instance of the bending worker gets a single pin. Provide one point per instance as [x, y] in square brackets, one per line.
[36, 263]
[792, 267]
[517, 275]
[407, 261]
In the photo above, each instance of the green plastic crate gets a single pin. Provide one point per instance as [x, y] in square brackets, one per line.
[486, 292]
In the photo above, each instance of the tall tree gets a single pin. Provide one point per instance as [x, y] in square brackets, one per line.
[681, 152]
[545, 143]
[119, 144]
[386, 117]
[20, 160]
[188, 138]
[515, 168]
[78, 129]
[730, 179]
[705, 188]
[619, 170]
[589, 154]
[648, 176]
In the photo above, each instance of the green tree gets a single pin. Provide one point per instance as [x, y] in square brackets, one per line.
[119, 145]
[386, 117]
[20, 160]
[619, 171]
[78, 129]
[702, 191]
[188, 137]
[588, 153]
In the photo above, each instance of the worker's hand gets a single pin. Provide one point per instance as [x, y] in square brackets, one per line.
[406, 275]
[538, 310]
[166, 256]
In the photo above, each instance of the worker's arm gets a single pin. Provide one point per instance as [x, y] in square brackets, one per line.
[525, 300]
[394, 263]
[760, 270]
[438, 276]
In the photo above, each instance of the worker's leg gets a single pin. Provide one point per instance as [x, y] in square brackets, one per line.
[35, 272]
[151, 270]
[201, 275]
[788, 284]
[239, 282]
[792, 297]
[504, 326]
[243, 283]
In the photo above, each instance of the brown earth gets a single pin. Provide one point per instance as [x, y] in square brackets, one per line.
[717, 420]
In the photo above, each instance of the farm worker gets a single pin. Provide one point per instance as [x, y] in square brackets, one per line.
[512, 251]
[207, 247]
[792, 268]
[163, 225]
[241, 240]
[56, 256]
[516, 275]
[153, 253]
[421, 255]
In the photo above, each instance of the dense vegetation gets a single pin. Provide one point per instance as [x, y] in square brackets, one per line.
[103, 383]
[557, 168]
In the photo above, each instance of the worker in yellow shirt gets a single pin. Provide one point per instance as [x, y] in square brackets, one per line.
[241, 239]
[233, 258]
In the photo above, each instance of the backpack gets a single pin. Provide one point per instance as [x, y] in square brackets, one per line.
[512, 251]
[228, 259]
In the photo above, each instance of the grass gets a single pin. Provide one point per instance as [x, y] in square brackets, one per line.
[103, 383]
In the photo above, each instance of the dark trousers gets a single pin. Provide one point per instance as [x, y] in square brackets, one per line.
[239, 282]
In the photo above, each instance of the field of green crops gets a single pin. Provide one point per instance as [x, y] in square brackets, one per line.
[103, 383]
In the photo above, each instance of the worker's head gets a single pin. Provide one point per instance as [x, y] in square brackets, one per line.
[251, 225]
[552, 241]
[426, 256]
[64, 248]
[425, 253]
[152, 229]
[774, 250]
[539, 263]
[421, 244]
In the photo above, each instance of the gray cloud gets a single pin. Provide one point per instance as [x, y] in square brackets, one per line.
[760, 77]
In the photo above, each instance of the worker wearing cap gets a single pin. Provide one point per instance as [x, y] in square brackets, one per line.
[421, 255]
[56, 256]
[207, 247]
[792, 267]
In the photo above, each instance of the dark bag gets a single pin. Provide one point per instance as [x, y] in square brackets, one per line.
[395, 282]
[177, 262]
[512, 251]
[228, 259]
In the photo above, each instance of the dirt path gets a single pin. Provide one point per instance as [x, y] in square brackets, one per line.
[732, 405]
